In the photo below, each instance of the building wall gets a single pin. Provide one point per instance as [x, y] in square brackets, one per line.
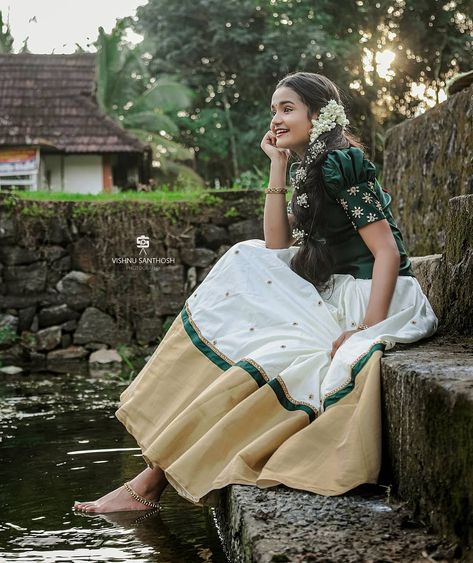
[83, 174]
[50, 173]
[72, 173]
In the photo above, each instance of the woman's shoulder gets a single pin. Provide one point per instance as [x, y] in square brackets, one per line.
[346, 167]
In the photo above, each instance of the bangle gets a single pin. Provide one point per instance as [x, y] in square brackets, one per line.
[282, 190]
[362, 326]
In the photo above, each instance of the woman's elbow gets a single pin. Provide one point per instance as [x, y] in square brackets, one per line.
[395, 255]
[390, 252]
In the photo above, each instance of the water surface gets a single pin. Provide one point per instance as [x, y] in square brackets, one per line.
[54, 430]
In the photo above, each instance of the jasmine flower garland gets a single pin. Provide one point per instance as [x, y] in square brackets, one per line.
[331, 114]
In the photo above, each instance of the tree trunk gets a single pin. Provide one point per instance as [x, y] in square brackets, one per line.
[226, 105]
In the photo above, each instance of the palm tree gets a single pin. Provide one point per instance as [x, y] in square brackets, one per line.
[6, 39]
[141, 104]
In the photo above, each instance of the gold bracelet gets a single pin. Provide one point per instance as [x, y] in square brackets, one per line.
[282, 190]
[362, 326]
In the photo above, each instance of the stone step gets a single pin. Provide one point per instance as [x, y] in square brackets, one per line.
[427, 458]
[282, 524]
[428, 430]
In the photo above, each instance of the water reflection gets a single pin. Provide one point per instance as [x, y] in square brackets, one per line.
[61, 442]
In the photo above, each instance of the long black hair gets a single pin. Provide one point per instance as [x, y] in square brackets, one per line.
[313, 261]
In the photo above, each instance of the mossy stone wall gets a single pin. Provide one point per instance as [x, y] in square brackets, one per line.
[427, 161]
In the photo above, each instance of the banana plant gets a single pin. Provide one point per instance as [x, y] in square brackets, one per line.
[140, 103]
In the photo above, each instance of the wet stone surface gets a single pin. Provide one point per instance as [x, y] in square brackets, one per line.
[281, 524]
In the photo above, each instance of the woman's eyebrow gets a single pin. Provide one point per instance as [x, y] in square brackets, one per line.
[284, 102]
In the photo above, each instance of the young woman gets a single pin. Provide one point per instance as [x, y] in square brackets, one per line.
[271, 372]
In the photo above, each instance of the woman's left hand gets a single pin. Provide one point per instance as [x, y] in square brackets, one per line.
[341, 339]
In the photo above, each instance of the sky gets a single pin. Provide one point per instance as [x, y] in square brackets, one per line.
[57, 25]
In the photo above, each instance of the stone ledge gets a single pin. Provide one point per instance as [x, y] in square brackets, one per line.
[428, 429]
[283, 524]
[428, 455]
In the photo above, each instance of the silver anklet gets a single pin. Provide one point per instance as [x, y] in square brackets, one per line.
[139, 498]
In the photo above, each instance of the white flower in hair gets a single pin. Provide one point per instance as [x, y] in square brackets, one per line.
[302, 200]
[314, 150]
[331, 114]
[299, 177]
[298, 233]
[312, 153]
[301, 174]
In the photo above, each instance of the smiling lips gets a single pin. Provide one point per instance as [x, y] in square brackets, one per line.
[281, 132]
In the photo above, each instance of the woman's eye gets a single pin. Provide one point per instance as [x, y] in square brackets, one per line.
[273, 112]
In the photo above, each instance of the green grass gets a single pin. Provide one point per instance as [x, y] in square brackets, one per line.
[121, 196]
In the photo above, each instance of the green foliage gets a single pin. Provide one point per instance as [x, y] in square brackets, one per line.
[167, 324]
[231, 212]
[143, 104]
[254, 179]
[162, 195]
[232, 59]
[7, 335]
[39, 211]
[6, 38]
[128, 373]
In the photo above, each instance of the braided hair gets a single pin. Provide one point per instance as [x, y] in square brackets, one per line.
[314, 261]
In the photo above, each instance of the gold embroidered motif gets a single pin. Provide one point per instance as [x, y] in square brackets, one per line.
[250, 361]
[352, 365]
[258, 367]
[207, 342]
[295, 401]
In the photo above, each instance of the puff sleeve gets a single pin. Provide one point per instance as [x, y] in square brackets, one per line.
[349, 178]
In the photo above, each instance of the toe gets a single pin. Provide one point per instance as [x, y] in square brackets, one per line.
[81, 505]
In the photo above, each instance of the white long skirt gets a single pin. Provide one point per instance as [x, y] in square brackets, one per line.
[243, 388]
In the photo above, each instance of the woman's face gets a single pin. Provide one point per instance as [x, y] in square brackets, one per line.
[289, 112]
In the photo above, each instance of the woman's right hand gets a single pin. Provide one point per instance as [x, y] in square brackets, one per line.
[268, 144]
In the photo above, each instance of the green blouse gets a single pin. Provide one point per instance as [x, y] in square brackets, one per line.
[355, 198]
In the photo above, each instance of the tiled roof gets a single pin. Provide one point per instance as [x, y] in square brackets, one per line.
[49, 100]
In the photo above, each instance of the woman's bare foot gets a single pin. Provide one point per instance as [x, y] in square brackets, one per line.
[149, 484]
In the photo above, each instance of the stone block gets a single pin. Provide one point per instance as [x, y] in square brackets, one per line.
[148, 329]
[427, 161]
[29, 278]
[428, 429]
[8, 232]
[84, 255]
[246, 230]
[105, 357]
[25, 318]
[56, 315]
[199, 257]
[96, 326]
[47, 338]
[17, 255]
[213, 236]
[76, 289]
